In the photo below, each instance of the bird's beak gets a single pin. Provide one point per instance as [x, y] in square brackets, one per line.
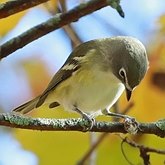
[128, 93]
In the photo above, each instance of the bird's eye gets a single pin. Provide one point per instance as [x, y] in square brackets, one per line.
[122, 73]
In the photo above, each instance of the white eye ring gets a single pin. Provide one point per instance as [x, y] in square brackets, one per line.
[122, 73]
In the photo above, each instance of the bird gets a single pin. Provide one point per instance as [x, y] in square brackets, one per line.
[94, 76]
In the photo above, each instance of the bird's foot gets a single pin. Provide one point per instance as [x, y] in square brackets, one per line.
[88, 120]
[130, 123]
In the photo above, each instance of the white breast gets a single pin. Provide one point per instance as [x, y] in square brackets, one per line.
[89, 90]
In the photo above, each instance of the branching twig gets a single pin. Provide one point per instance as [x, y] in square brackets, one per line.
[56, 22]
[11, 7]
[143, 150]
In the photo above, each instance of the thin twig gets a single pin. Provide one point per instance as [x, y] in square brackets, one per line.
[127, 108]
[136, 145]
[92, 148]
[93, 156]
[143, 150]
[11, 7]
[69, 30]
[124, 154]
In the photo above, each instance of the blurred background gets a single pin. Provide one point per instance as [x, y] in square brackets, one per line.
[25, 74]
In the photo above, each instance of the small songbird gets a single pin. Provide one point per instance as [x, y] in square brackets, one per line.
[94, 76]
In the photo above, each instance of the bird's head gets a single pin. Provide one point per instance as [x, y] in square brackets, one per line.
[129, 61]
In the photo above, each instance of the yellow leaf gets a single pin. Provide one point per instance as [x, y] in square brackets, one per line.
[51, 6]
[161, 22]
[10, 22]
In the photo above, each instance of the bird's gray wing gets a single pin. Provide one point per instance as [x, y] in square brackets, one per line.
[60, 76]
[71, 65]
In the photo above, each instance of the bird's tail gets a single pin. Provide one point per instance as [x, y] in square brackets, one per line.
[27, 107]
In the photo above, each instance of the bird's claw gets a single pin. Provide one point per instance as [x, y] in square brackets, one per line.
[88, 123]
[131, 125]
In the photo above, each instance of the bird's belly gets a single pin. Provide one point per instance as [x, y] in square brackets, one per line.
[96, 96]
[89, 92]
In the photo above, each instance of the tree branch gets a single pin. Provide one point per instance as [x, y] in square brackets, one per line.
[46, 124]
[56, 22]
[11, 7]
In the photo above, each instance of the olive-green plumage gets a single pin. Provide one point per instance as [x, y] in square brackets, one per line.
[94, 76]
